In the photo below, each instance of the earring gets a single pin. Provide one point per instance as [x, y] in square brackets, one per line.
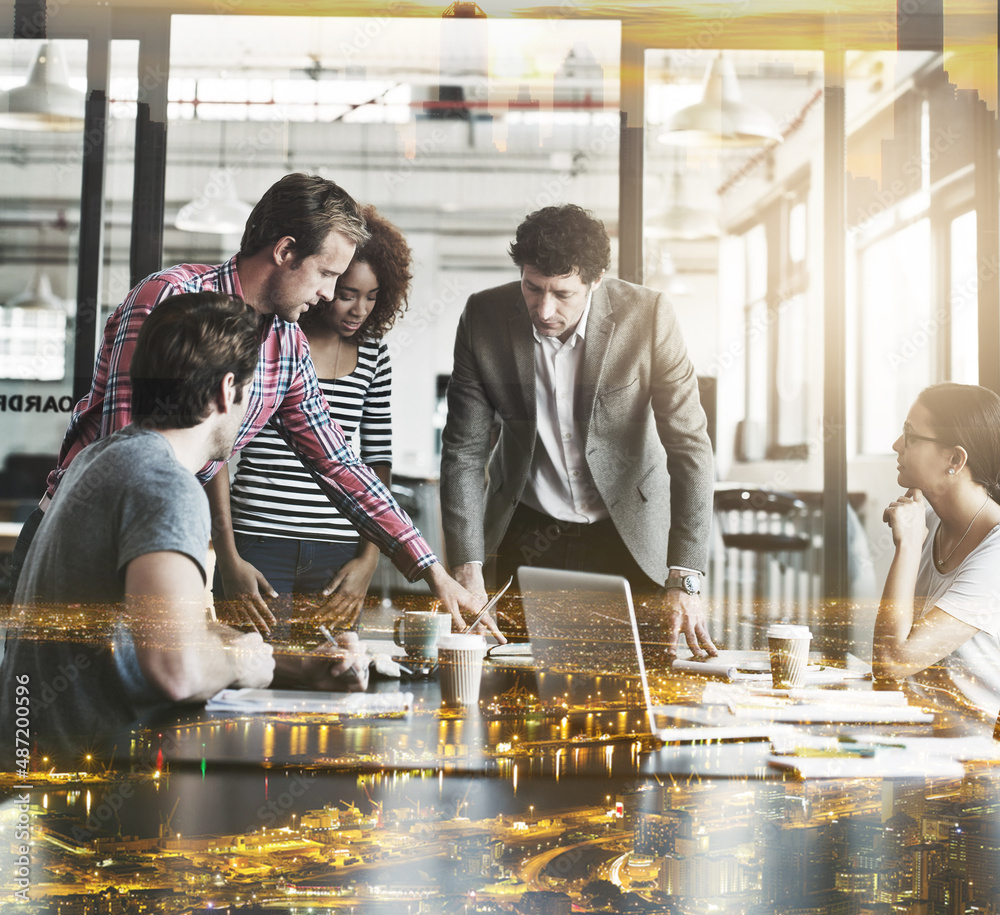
[951, 470]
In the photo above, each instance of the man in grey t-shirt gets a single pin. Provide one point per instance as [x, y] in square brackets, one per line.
[110, 620]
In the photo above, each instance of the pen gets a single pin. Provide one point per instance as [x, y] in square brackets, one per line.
[350, 673]
[489, 606]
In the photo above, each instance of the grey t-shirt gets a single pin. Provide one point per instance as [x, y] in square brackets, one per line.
[123, 497]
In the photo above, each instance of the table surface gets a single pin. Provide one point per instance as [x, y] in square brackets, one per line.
[509, 729]
[426, 808]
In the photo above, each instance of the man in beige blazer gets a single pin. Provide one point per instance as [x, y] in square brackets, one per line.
[574, 395]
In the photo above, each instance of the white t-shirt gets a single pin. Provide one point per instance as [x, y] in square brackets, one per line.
[970, 593]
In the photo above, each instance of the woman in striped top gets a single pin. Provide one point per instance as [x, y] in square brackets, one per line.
[304, 553]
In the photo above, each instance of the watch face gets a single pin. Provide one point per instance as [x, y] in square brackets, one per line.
[691, 584]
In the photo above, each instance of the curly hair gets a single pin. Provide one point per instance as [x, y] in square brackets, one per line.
[559, 240]
[388, 255]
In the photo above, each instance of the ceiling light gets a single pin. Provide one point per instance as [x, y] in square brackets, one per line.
[38, 294]
[680, 220]
[46, 101]
[217, 210]
[721, 118]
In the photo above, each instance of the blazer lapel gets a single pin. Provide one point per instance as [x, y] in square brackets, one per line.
[600, 330]
[521, 342]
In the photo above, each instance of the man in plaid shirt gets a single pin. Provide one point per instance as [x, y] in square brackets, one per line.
[299, 238]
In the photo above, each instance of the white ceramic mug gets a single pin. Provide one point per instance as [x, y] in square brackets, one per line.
[417, 632]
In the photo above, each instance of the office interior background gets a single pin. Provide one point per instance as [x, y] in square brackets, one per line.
[826, 263]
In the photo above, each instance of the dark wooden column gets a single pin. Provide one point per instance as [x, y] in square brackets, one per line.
[834, 436]
[30, 19]
[146, 249]
[88, 279]
[149, 176]
[630, 160]
[90, 255]
[987, 244]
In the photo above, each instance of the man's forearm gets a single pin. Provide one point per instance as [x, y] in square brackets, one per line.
[223, 540]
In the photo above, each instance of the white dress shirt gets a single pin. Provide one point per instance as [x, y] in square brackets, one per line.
[560, 484]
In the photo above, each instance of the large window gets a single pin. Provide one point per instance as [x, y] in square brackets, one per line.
[897, 336]
[964, 286]
[776, 323]
[454, 128]
[912, 250]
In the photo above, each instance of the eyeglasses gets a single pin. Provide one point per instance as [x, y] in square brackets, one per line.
[910, 437]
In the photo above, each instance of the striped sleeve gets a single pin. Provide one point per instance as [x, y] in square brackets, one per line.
[274, 495]
[376, 413]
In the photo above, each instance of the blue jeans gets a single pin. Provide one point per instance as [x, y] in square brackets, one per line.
[293, 568]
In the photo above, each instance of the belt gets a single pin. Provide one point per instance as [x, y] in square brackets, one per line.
[528, 515]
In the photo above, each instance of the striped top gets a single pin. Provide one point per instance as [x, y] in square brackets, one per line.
[273, 495]
[284, 390]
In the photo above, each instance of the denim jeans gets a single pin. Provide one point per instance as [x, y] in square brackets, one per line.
[293, 568]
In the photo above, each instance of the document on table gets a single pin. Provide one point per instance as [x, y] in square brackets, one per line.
[755, 666]
[292, 700]
[814, 706]
[702, 724]
[892, 762]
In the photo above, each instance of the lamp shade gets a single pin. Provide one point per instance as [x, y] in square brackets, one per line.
[217, 211]
[38, 294]
[721, 118]
[680, 220]
[46, 101]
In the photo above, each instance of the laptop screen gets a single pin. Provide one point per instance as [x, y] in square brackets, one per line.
[583, 629]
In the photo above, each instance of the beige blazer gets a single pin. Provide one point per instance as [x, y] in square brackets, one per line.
[643, 427]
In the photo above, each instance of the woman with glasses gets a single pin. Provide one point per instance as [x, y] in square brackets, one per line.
[942, 594]
[292, 543]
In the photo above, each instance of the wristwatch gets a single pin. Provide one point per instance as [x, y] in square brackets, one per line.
[690, 584]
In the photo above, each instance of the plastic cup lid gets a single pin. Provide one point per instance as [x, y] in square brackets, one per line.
[464, 640]
[787, 631]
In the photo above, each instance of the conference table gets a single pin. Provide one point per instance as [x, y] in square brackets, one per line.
[396, 804]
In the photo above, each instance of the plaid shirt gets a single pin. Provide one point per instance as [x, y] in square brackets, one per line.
[284, 389]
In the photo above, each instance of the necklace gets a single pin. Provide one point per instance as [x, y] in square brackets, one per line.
[944, 562]
[336, 364]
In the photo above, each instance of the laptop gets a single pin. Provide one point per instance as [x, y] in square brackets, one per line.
[588, 645]
[584, 636]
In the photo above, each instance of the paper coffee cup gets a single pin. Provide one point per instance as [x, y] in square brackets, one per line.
[789, 649]
[460, 666]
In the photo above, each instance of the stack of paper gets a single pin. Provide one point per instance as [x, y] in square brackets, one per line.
[755, 666]
[290, 700]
